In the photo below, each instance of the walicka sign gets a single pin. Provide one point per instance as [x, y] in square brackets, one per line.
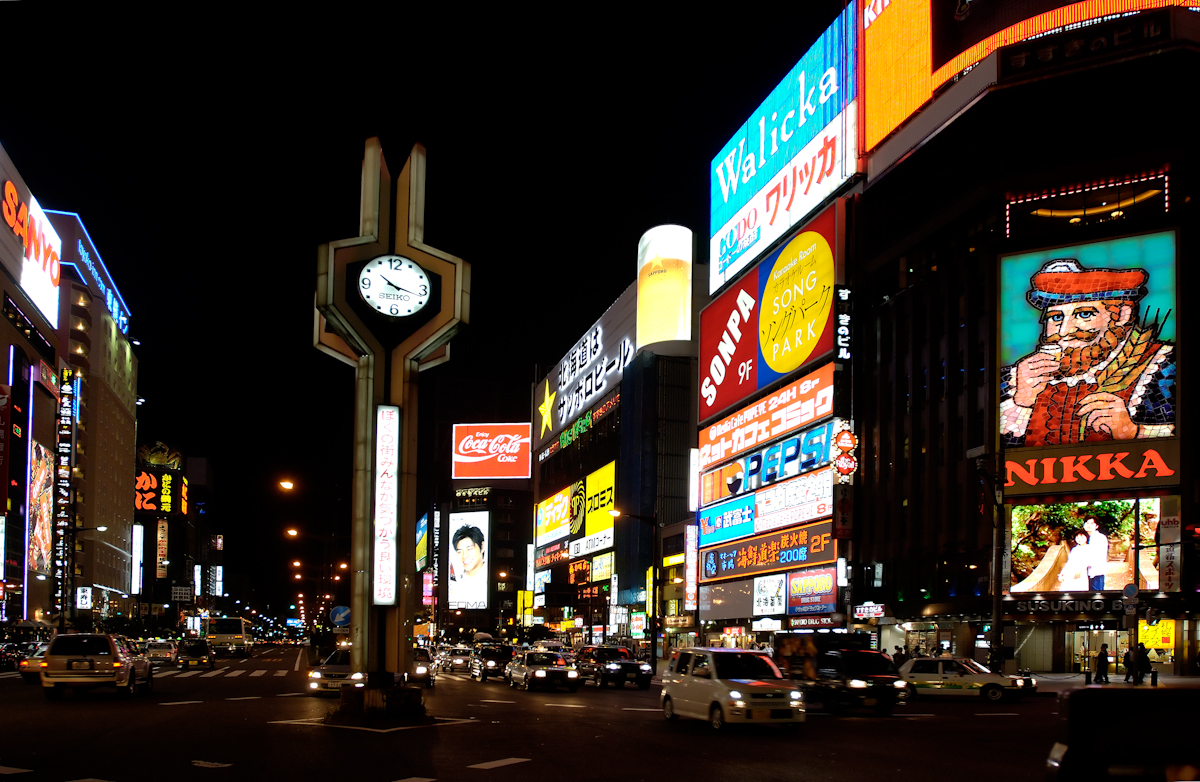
[1092, 467]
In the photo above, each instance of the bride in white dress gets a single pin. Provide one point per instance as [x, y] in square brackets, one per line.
[1073, 576]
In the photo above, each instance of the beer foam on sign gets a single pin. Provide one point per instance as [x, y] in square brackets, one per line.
[664, 285]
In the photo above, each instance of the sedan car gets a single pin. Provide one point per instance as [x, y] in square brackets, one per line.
[334, 674]
[31, 667]
[162, 652]
[961, 676]
[421, 667]
[614, 665]
[854, 679]
[724, 685]
[541, 669]
[86, 661]
[489, 660]
[456, 659]
[195, 653]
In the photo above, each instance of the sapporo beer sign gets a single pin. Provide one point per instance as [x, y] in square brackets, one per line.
[491, 451]
[1091, 467]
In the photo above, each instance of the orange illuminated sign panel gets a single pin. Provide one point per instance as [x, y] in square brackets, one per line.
[491, 451]
[1092, 467]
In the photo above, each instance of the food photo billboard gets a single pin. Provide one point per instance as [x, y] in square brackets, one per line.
[775, 320]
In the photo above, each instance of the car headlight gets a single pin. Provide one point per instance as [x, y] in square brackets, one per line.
[491, 664]
[857, 684]
[613, 667]
[312, 685]
[1020, 682]
[458, 662]
[796, 695]
[1033, 682]
[540, 674]
[900, 685]
[356, 676]
[422, 669]
[314, 674]
[734, 695]
[572, 675]
[646, 667]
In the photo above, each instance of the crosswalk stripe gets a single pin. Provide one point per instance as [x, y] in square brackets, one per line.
[259, 672]
[210, 674]
[10, 675]
[186, 674]
[281, 673]
[161, 674]
[235, 673]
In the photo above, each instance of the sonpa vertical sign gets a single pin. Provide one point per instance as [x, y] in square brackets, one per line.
[792, 153]
[387, 482]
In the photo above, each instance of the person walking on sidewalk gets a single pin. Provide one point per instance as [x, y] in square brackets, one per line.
[1102, 665]
[1143, 664]
[1128, 662]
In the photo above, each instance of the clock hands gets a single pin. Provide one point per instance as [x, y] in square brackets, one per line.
[397, 287]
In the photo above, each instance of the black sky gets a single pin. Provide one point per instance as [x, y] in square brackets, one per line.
[208, 157]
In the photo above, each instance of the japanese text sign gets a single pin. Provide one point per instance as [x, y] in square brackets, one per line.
[775, 551]
[387, 522]
[812, 591]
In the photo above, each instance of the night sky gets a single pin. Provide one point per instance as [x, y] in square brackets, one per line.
[209, 157]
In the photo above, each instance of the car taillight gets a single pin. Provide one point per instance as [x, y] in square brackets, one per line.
[117, 664]
[44, 665]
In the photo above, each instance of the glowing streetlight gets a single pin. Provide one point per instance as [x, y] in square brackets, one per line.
[296, 563]
[287, 485]
[293, 533]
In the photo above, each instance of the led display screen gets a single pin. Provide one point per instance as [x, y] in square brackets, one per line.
[808, 450]
[422, 549]
[793, 152]
[1090, 546]
[664, 285]
[41, 509]
[468, 570]
[1087, 344]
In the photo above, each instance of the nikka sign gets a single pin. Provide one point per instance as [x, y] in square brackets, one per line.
[1091, 467]
[491, 451]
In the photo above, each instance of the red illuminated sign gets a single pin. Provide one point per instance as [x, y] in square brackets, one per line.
[491, 451]
[729, 346]
[1092, 466]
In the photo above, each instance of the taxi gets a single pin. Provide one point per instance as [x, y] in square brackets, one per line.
[962, 677]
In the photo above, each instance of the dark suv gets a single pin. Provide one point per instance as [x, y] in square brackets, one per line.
[854, 679]
[604, 664]
[489, 660]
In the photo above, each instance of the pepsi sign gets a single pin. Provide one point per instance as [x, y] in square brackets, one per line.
[785, 459]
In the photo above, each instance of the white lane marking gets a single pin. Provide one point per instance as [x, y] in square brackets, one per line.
[10, 675]
[245, 698]
[234, 673]
[179, 703]
[299, 653]
[11, 770]
[488, 700]
[568, 705]
[89, 779]
[319, 722]
[918, 715]
[210, 764]
[289, 694]
[499, 763]
[261, 672]
[186, 674]
[628, 709]
[281, 673]
[160, 674]
[217, 672]
[999, 714]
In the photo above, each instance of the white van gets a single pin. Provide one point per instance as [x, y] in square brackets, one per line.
[728, 685]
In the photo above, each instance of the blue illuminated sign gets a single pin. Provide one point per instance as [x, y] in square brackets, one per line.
[97, 272]
[727, 521]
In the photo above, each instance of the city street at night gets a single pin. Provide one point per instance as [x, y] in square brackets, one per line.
[252, 717]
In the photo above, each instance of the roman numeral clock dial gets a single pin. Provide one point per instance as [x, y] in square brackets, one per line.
[394, 285]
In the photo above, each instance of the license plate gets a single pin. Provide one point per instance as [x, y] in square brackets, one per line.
[631, 676]
[193, 662]
[760, 714]
[869, 701]
[81, 665]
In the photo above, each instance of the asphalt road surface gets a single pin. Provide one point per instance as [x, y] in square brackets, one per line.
[252, 719]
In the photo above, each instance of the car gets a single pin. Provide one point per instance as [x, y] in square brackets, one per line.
[30, 667]
[854, 679]
[422, 668]
[83, 661]
[614, 665]
[333, 674]
[455, 659]
[195, 653]
[726, 685]
[541, 669]
[489, 660]
[961, 677]
[162, 652]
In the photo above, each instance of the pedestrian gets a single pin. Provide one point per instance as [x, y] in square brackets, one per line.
[1102, 665]
[1127, 661]
[1143, 664]
[899, 658]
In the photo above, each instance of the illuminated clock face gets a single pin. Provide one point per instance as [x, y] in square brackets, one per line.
[394, 285]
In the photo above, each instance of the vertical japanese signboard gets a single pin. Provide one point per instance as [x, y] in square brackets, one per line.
[691, 566]
[5, 427]
[137, 554]
[387, 483]
[160, 553]
[63, 505]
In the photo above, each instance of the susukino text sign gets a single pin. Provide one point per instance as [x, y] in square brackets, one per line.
[792, 153]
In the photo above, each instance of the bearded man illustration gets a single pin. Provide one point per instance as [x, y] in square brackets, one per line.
[1099, 371]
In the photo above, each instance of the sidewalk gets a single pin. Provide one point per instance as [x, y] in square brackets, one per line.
[1054, 683]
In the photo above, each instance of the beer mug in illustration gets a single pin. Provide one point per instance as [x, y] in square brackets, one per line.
[664, 287]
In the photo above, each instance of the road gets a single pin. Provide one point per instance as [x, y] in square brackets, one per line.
[252, 717]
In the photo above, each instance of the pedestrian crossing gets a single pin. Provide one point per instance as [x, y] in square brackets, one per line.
[221, 673]
[10, 674]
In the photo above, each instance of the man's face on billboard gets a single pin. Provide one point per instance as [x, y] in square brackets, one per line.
[469, 554]
[1076, 325]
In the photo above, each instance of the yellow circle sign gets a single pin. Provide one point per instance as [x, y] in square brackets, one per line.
[796, 302]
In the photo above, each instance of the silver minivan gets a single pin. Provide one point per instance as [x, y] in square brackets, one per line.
[724, 686]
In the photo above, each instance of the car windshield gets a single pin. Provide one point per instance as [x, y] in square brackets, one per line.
[81, 644]
[341, 657]
[543, 658]
[159, 647]
[460, 652]
[736, 665]
[421, 655]
[496, 652]
[195, 648]
[974, 667]
[612, 654]
[867, 664]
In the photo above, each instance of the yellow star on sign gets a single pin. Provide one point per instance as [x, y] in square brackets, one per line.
[545, 408]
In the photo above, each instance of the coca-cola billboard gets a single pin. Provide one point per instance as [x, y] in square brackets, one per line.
[491, 451]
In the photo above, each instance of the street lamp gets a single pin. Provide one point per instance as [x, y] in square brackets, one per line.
[287, 485]
[654, 583]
